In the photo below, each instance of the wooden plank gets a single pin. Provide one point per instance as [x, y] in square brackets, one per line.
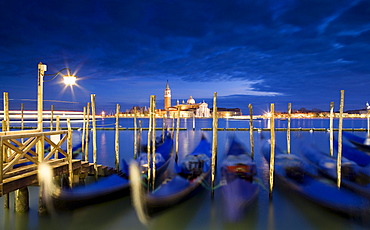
[27, 175]
[27, 168]
[18, 132]
[19, 181]
[27, 178]
[23, 134]
[62, 167]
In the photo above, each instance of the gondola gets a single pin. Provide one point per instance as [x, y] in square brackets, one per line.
[110, 187]
[361, 143]
[352, 153]
[295, 174]
[353, 176]
[239, 173]
[190, 174]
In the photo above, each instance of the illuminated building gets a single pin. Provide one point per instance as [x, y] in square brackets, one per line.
[167, 97]
[188, 109]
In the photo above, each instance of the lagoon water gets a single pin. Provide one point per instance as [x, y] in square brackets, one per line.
[284, 211]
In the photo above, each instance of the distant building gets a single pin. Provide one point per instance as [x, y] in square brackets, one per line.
[203, 110]
[167, 97]
[188, 109]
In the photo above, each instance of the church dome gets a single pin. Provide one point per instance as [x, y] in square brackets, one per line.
[190, 101]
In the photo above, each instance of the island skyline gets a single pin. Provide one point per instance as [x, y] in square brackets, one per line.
[299, 52]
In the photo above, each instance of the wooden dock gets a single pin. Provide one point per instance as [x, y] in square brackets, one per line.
[27, 175]
[21, 152]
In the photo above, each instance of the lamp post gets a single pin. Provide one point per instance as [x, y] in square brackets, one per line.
[68, 80]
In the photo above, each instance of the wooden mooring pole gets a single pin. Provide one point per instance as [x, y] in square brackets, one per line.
[272, 150]
[135, 134]
[340, 129]
[149, 147]
[94, 135]
[193, 116]
[69, 153]
[57, 128]
[214, 143]
[163, 127]
[6, 196]
[331, 131]
[87, 132]
[288, 127]
[83, 134]
[173, 123]
[140, 124]
[51, 117]
[21, 200]
[117, 138]
[6, 127]
[6, 110]
[22, 117]
[153, 142]
[251, 138]
[177, 132]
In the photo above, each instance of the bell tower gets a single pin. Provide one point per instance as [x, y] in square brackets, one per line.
[167, 97]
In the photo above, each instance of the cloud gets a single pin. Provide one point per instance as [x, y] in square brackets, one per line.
[263, 49]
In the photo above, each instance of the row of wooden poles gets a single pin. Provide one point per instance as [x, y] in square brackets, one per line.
[152, 135]
[151, 153]
[331, 140]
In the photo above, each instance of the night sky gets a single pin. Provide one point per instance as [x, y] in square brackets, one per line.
[260, 52]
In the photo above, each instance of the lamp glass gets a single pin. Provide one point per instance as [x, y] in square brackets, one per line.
[69, 80]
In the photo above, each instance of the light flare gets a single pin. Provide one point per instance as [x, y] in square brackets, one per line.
[47, 186]
[70, 80]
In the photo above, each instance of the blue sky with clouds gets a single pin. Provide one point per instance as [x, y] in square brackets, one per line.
[260, 52]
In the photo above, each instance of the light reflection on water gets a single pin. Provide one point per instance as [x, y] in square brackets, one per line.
[284, 211]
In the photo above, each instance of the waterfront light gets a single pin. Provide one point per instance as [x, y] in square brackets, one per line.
[69, 80]
[268, 115]
[42, 68]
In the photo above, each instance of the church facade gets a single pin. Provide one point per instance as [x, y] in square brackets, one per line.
[187, 109]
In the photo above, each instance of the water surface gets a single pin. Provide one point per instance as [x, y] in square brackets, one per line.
[284, 211]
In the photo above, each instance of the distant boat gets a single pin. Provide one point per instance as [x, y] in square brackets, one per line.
[361, 143]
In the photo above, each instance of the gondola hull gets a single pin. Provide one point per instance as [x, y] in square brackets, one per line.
[353, 176]
[238, 194]
[293, 173]
[180, 187]
[109, 188]
[359, 142]
[173, 192]
[238, 174]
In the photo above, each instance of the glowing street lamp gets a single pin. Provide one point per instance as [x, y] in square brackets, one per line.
[69, 79]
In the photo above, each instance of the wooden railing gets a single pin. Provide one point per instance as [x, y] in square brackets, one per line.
[19, 147]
